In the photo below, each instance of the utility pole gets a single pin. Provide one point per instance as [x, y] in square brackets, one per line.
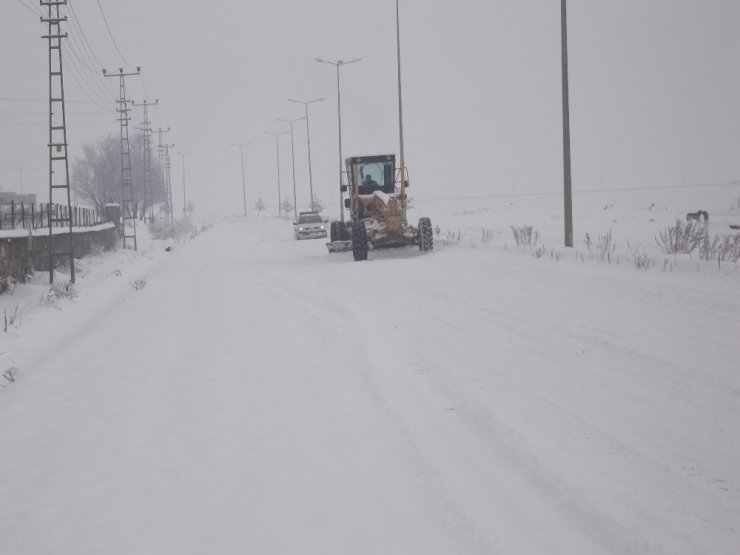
[277, 149]
[128, 204]
[148, 187]
[58, 161]
[567, 197]
[168, 182]
[184, 199]
[308, 135]
[161, 150]
[244, 188]
[292, 155]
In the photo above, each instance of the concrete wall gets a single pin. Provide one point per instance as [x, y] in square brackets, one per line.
[21, 255]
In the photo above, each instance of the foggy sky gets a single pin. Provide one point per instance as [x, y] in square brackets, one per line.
[654, 88]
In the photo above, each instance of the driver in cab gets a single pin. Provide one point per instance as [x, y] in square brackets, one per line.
[369, 186]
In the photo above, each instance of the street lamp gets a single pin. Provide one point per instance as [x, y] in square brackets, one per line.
[244, 189]
[308, 135]
[400, 114]
[292, 156]
[338, 64]
[277, 148]
[184, 200]
[567, 193]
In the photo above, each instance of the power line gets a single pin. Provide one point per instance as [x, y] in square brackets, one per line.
[73, 69]
[111, 34]
[94, 83]
[76, 21]
[17, 162]
[17, 99]
[29, 8]
[89, 48]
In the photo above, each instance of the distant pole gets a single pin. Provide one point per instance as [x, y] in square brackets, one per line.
[128, 202]
[567, 197]
[277, 152]
[308, 136]
[292, 156]
[148, 186]
[184, 199]
[244, 188]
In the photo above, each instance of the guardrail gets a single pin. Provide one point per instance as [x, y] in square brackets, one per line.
[30, 216]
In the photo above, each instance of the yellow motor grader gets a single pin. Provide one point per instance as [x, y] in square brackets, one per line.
[377, 205]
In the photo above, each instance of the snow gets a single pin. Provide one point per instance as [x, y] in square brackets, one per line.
[258, 395]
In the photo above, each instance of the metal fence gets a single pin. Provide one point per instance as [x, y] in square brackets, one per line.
[31, 216]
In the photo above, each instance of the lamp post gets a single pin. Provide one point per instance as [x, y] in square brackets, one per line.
[184, 199]
[338, 64]
[400, 116]
[308, 136]
[244, 188]
[567, 197]
[292, 156]
[277, 149]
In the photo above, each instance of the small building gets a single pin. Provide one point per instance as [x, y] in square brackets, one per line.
[8, 198]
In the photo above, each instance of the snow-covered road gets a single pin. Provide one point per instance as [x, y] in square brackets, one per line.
[261, 396]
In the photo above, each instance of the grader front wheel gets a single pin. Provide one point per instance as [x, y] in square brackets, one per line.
[426, 234]
[359, 241]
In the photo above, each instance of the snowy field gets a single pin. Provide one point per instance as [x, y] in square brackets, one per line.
[249, 393]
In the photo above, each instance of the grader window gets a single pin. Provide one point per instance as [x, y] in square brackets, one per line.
[377, 176]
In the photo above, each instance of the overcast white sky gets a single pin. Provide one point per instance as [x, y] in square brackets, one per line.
[655, 91]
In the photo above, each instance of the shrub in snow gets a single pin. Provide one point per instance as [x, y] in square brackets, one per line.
[58, 291]
[605, 247]
[639, 257]
[453, 237]
[138, 284]
[10, 317]
[588, 243]
[7, 284]
[172, 230]
[10, 373]
[723, 248]
[682, 238]
[525, 235]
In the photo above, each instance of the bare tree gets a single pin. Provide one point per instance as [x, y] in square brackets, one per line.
[96, 174]
[317, 204]
[287, 206]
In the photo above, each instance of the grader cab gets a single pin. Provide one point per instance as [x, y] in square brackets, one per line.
[377, 204]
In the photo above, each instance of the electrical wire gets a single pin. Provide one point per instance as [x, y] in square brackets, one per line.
[95, 82]
[105, 20]
[17, 162]
[88, 49]
[76, 74]
[16, 99]
[30, 9]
